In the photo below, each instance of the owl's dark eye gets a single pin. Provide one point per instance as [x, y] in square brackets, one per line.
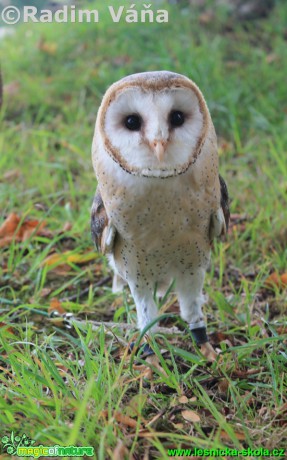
[176, 118]
[133, 122]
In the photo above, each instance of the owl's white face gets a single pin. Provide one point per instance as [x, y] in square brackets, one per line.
[154, 130]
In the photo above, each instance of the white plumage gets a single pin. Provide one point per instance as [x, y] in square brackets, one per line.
[160, 200]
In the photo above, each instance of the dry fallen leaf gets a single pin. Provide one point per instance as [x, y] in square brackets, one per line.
[275, 280]
[223, 386]
[120, 452]
[56, 305]
[7, 327]
[10, 175]
[135, 405]
[226, 436]
[190, 416]
[45, 292]
[178, 426]
[183, 399]
[69, 257]
[14, 229]
[208, 352]
[67, 227]
[282, 330]
[207, 17]
[121, 418]
[9, 226]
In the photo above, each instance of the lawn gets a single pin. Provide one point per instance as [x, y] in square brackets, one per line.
[66, 375]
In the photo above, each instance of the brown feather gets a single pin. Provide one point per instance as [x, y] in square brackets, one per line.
[99, 220]
[224, 201]
[1, 89]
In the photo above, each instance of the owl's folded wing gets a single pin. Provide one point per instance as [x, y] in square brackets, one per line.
[219, 221]
[103, 231]
[1, 89]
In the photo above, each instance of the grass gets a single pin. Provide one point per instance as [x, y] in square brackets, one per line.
[62, 385]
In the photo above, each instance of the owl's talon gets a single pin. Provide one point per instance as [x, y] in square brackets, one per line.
[143, 351]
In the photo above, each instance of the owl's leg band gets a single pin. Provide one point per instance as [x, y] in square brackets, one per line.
[199, 335]
[198, 331]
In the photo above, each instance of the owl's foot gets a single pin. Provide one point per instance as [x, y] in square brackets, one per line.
[199, 335]
[142, 351]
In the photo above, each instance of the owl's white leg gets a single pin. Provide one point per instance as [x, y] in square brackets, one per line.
[191, 299]
[146, 307]
[118, 283]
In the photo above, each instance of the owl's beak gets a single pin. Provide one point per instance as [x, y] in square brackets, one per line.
[158, 148]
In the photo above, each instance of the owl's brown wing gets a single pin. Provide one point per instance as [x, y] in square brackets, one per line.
[219, 220]
[1, 89]
[224, 202]
[103, 231]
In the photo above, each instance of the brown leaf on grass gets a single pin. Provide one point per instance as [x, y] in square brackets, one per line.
[66, 227]
[69, 257]
[146, 372]
[237, 223]
[207, 17]
[190, 416]
[59, 264]
[10, 175]
[56, 305]
[13, 229]
[217, 337]
[178, 426]
[208, 352]
[120, 451]
[239, 435]
[135, 405]
[121, 418]
[155, 418]
[9, 226]
[7, 327]
[276, 281]
[243, 374]
[45, 292]
[61, 270]
[281, 330]
[29, 227]
[223, 386]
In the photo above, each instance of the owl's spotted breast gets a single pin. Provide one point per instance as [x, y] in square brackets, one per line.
[162, 226]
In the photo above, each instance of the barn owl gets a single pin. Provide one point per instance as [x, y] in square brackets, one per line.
[160, 200]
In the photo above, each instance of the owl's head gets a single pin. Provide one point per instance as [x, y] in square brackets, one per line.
[153, 124]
